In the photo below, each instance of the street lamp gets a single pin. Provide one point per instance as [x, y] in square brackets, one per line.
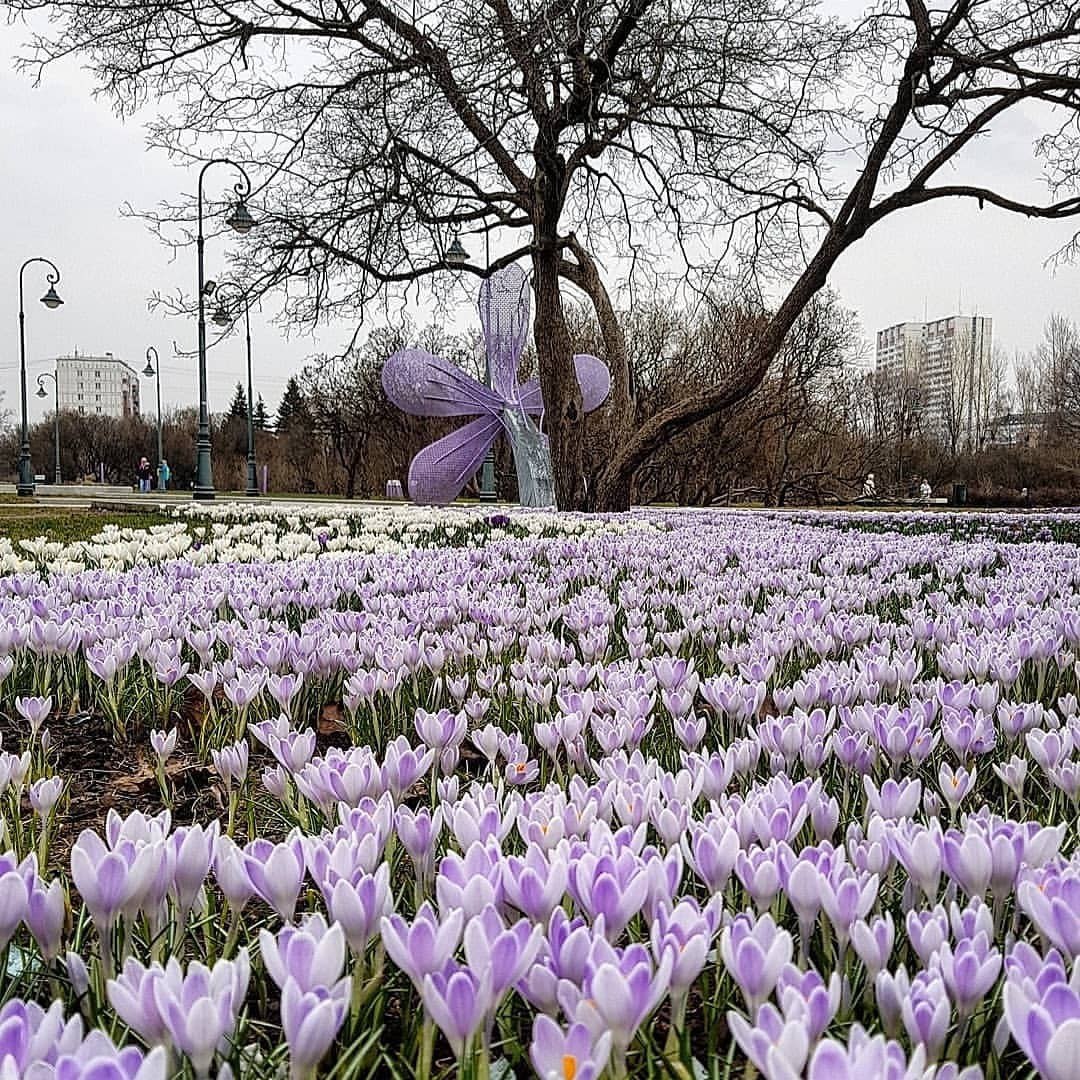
[456, 255]
[52, 300]
[56, 411]
[242, 222]
[222, 317]
[149, 371]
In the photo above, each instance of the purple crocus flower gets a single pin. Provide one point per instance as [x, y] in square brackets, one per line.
[711, 850]
[894, 800]
[45, 794]
[969, 971]
[687, 931]
[926, 1013]
[109, 880]
[754, 953]
[193, 847]
[622, 991]
[613, 885]
[358, 903]
[276, 872]
[873, 942]
[231, 872]
[1051, 899]
[805, 996]
[473, 881]
[865, 1057]
[34, 710]
[535, 884]
[200, 1009]
[458, 1000]
[968, 861]
[1042, 1010]
[310, 1021]
[46, 913]
[570, 1055]
[419, 832]
[403, 766]
[163, 744]
[776, 1046]
[424, 947]
[131, 994]
[955, 783]
[846, 897]
[927, 931]
[312, 955]
[31, 1035]
[231, 763]
[503, 954]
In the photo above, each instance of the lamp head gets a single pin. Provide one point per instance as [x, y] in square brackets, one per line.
[209, 285]
[148, 371]
[221, 316]
[240, 220]
[40, 390]
[456, 255]
[51, 299]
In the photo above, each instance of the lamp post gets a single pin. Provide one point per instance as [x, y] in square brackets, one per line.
[56, 413]
[242, 222]
[149, 371]
[25, 485]
[222, 317]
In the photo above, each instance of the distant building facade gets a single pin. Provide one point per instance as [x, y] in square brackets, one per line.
[946, 360]
[97, 385]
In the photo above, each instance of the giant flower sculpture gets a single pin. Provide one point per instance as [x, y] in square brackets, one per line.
[427, 385]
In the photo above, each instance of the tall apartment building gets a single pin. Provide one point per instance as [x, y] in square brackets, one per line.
[97, 385]
[946, 361]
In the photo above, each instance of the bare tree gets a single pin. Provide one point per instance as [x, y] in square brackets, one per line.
[754, 130]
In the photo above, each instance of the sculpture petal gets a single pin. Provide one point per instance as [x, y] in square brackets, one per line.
[427, 385]
[595, 380]
[504, 315]
[593, 376]
[439, 472]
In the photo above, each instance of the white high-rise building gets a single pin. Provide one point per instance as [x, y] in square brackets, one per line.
[97, 385]
[946, 360]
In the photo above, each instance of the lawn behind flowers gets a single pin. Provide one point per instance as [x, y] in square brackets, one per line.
[435, 793]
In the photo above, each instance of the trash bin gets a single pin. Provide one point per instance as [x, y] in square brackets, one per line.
[959, 494]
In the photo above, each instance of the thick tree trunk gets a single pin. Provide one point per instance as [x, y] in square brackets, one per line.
[563, 413]
[619, 410]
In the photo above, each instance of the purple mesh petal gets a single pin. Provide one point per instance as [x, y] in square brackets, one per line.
[595, 380]
[426, 385]
[504, 315]
[592, 374]
[439, 472]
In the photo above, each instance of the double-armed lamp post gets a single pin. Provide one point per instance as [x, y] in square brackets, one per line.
[223, 317]
[42, 392]
[239, 220]
[51, 299]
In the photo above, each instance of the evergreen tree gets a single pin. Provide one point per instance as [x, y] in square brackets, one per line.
[261, 418]
[293, 408]
[238, 408]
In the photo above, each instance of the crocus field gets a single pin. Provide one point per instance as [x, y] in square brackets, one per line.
[432, 794]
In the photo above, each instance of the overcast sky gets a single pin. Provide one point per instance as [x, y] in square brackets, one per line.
[68, 165]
